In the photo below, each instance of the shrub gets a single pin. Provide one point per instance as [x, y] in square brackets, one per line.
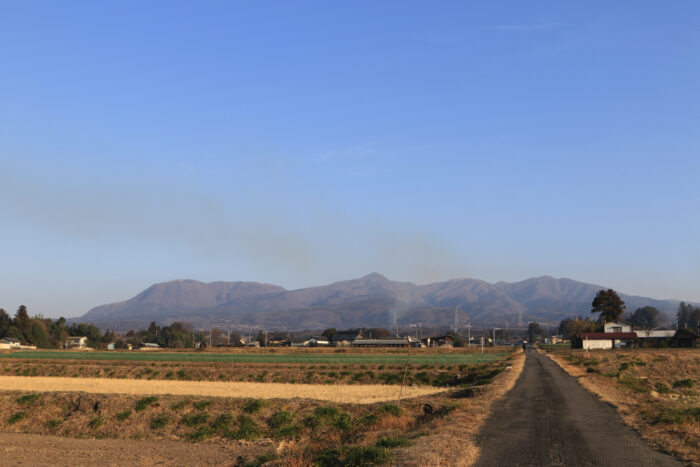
[159, 422]
[391, 442]
[368, 419]
[200, 434]
[177, 405]
[247, 429]
[17, 416]
[53, 423]
[328, 458]
[283, 426]
[201, 405]
[684, 383]
[96, 422]
[361, 456]
[121, 416]
[252, 406]
[193, 420]
[28, 399]
[144, 403]
[662, 388]
[389, 409]
[342, 421]
[679, 416]
[222, 422]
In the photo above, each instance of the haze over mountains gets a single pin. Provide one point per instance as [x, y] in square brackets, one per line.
[370, 301]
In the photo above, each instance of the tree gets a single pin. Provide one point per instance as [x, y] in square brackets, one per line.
[534, 330]
[329, 333]
[5, 322]
[608, 304]
[22, 318]
[645, 318]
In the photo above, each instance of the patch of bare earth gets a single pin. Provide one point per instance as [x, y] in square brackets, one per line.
[451, 440]
[41, 450]
[655, 392]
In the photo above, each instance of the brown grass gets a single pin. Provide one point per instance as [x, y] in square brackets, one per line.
[358, 394]
[640, 384]
[454, 441]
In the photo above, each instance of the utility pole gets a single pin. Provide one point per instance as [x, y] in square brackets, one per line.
[494, 335]
[469, 338]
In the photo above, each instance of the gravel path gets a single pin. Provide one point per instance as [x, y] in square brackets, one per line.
[549, 419]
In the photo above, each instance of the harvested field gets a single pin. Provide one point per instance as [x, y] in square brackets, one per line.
[656, 391]
[358, 394]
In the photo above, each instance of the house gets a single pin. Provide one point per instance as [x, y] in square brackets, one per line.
[438, 341]
[655, 333]
[617, 326]
[75, 342]
[318, 341]
[149, 346]
[9, 343]
[607, 340]
[346, 338]
[279, 342]
[387, 342]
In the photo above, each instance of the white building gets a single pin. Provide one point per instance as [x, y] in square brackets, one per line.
[75, 342]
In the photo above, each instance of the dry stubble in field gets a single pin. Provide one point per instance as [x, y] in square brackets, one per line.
[655, 391]
[357, 394]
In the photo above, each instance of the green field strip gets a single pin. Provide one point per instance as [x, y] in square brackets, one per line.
[391, 359]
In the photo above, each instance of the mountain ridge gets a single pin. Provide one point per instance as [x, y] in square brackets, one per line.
[371, 300]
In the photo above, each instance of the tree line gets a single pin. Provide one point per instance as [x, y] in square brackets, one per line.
[611, 307]
[46, 333]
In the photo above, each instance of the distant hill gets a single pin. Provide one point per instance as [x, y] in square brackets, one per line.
[369, 301]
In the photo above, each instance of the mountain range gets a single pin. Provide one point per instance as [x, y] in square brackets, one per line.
[370, 301]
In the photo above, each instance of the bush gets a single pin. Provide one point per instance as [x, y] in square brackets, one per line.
[144, 403]
[200, 434]
[28, 399]
[222, 422]
[678, 416]
[283, 426]
[328, 458]
[368, 419]
[252, 406]
[247, 429]
[391, 442]
[177, 405]
[362, 456]
[193, 420]
[53, 423]
[121, 416]
[201, 405]
[96, 422]
[684, 383]
[389, 409]
[17, 416]
[159, 421]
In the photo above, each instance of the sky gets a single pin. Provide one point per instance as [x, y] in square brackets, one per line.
[301, 143]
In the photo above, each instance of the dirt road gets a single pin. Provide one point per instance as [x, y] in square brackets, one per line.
[549, 419]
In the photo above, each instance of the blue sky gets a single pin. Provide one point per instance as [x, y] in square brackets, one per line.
[300, 143]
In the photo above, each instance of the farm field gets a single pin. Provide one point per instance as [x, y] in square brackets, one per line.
[656, 391]
[357, 424]
[352, 356]
[431, 368]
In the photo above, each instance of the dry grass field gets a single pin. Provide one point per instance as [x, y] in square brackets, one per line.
[274, 423]
[355, 394]
[657, 392]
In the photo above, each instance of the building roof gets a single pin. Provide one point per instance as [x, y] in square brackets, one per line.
[393, 341]
[608, 335]
[347, 335]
